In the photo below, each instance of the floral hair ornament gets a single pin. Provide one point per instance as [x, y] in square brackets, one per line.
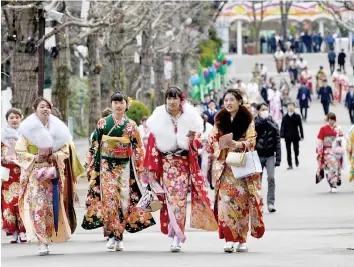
[130, 100]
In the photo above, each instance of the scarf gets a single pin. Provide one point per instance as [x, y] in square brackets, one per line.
[9, 136]
[55, 136]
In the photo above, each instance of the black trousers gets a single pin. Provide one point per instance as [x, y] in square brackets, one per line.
[325, 108]
[288, 151]
[342, 67]
[303, 111]
[351, 113]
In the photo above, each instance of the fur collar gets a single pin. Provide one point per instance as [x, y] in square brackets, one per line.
[55, 136]
[238, 126]
[9, 136]
[161, 126]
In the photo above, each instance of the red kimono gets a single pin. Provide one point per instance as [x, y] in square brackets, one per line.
[175, 169]
[11, 220]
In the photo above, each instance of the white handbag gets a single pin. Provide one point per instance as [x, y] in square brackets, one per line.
[5, 174]
[252, 166]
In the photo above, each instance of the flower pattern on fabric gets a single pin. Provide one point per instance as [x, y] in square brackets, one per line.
[11, 220]
[36, 196]
[113, 189]
[350, 152]
[238, 202]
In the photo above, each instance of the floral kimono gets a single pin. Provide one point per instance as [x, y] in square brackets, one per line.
[330, 152]
[36, 195]
[275, 105]
[237, 201]
[11, 220]
[173, 163]
[114, 160]
[350, 152]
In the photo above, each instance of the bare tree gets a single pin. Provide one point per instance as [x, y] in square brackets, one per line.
[284, 13]
[257, 24]
[334, 8]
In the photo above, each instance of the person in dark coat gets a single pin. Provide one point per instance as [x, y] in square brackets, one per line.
[304, 97]
[291, 130]
[341, 60]
[349, 103]
[332, 60]
[268, 148]
[326, 95]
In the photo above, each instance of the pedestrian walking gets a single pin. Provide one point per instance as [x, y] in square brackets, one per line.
[330, 153]
[275, 104]
[268, 148]
[349, 103]
[279, 59]
[115, 166]
[238, 201]
[291, 130]
[12, 223]
[41, 150]
[332, 60]
[326, 95]
[172, 162]
[341, 60]
[304, 99]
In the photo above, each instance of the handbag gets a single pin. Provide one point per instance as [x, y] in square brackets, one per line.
[252, 166]
[45, 173]
[236, 159]
[149, 201]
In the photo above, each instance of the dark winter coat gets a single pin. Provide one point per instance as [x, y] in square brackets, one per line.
[291, 128]
[268, 138]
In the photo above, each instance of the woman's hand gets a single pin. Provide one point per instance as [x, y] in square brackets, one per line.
[191, 136]
[39, 158]
[51, 158]
[233, 145]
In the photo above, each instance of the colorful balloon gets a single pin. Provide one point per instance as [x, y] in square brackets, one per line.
[206, 73]
[194, 80]
[229, 61]
[224, 61]
[217, 65]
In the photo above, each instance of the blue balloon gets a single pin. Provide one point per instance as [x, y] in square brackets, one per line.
[194, 80]
[229, 62]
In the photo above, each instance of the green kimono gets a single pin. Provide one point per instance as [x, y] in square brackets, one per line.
[114, 162]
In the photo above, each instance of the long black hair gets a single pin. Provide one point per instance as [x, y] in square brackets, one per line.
[119, 96]
[174, 91]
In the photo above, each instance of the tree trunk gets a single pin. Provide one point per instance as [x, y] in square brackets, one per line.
[24, 66]
[61, 75]
[159, 80]
[95, 82]
[116, 38]
[146, 64]
[185, 74]
[177, 69]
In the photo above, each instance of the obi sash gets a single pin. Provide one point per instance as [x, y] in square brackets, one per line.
[115, 147]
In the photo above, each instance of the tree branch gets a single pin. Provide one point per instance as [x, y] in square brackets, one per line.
[6, 59]
[336, 16]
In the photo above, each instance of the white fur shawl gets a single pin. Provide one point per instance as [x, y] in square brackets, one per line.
[161, 126]
[56, 136]
[9, 135]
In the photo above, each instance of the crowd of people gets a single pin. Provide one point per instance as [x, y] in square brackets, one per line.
[134, 171]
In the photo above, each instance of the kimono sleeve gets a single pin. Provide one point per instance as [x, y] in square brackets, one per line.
[138, 148]
[213, 140]
[24, 158]
[319, 148]
[152, 160]
[250, 139]
[93, 152]
[60, 155]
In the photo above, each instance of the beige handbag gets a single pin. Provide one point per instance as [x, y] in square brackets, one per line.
[236, 159]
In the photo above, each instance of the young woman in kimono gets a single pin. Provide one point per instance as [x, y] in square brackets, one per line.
[114, 165]
[350, 152]
[237, 201]
[10, 189]
[172, 162]
[41, 200]
[330, 151]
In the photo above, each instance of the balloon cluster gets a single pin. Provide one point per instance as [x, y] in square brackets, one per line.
[213, 67]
